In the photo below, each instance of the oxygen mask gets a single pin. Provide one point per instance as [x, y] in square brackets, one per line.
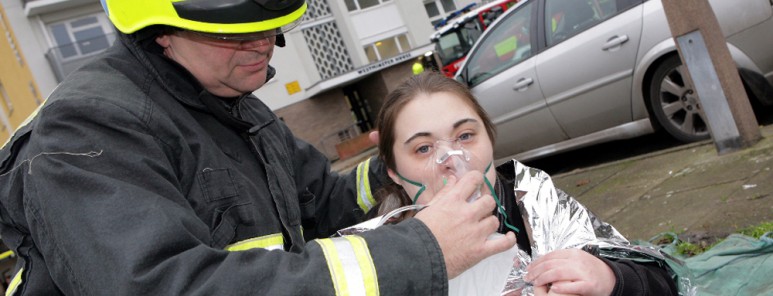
[451, 159]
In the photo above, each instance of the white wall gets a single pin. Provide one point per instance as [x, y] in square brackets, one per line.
[374, 24]
[416, 20]
[293, 63]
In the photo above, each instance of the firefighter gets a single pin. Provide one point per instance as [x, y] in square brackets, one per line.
[154, 170]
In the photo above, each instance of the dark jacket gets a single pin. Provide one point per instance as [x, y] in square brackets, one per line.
[132, 180]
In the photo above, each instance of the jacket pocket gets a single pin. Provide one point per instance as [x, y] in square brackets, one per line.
[226, 220]
[308, 207]
[217, 184]
[227, 209]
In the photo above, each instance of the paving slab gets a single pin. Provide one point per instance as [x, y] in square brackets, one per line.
[673, 212]
[624, 182]
[759, 186]
[716, 170]
[732, 215]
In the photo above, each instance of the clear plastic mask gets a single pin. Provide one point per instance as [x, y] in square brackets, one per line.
[449, 158]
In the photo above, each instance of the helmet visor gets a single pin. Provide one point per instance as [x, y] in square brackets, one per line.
[249, 36]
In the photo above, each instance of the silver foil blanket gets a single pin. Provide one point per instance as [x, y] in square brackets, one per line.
[554, 220]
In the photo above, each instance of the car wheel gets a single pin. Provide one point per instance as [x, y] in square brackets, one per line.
[675, 104]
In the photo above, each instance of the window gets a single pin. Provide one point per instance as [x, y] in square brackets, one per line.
[434, 11]
[6, 99]
[9, 37]
[564, 19]
[508, 44]
[80, 37]
[386, 48]
[34, 92]
[403, 41]
[3, 114]
[448, 5]
[353, 5]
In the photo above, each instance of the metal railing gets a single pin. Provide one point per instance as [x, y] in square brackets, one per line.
[64, 65]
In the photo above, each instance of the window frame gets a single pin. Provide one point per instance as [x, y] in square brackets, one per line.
[357, 6]
[395, 39]
[102, 22]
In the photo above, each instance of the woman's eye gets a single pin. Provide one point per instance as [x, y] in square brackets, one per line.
[423, 149]
[466, 136]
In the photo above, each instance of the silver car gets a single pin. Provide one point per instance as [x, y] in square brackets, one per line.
[556, 75]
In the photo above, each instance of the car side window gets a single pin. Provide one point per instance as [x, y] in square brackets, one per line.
[507, 44]
[566, 18]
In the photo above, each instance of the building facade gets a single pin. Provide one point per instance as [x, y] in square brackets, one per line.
[331, 77]
[19, 95]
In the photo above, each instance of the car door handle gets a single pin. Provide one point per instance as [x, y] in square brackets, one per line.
[615, 41]
[522, 84]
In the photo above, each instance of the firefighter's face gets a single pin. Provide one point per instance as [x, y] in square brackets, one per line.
[225, 68]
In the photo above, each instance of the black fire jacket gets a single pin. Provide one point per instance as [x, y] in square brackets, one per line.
[132, 180]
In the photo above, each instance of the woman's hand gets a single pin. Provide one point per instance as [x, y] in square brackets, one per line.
[545, 291]
[571, 271]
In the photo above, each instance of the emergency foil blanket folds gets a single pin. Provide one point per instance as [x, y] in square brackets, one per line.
[554, 220]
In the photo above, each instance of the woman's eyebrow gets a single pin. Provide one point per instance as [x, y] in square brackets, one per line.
[463, 121]
[416, 135]
[427, 134]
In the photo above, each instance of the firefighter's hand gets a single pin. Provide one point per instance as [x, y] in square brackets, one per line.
[572, 271]
[461, 228]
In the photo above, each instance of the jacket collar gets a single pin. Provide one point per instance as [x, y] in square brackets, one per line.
[184, 87]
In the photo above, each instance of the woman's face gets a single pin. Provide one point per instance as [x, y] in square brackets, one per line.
[429, 126]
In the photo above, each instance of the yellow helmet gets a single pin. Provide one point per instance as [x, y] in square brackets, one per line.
[206, 16]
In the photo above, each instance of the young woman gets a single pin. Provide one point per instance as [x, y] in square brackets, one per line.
[431, 128]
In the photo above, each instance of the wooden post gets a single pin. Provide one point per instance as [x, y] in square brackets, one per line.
[711, 68]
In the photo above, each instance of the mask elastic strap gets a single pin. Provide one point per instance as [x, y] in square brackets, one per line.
[500, 208]
[414, 183]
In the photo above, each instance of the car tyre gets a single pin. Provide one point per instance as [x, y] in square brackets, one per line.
[674, 102]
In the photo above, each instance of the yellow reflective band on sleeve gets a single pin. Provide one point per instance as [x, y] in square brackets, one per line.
[268, 242]
[15, 283]
[350, 265]
[369, 276]
[364, 196]
[6, 254]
